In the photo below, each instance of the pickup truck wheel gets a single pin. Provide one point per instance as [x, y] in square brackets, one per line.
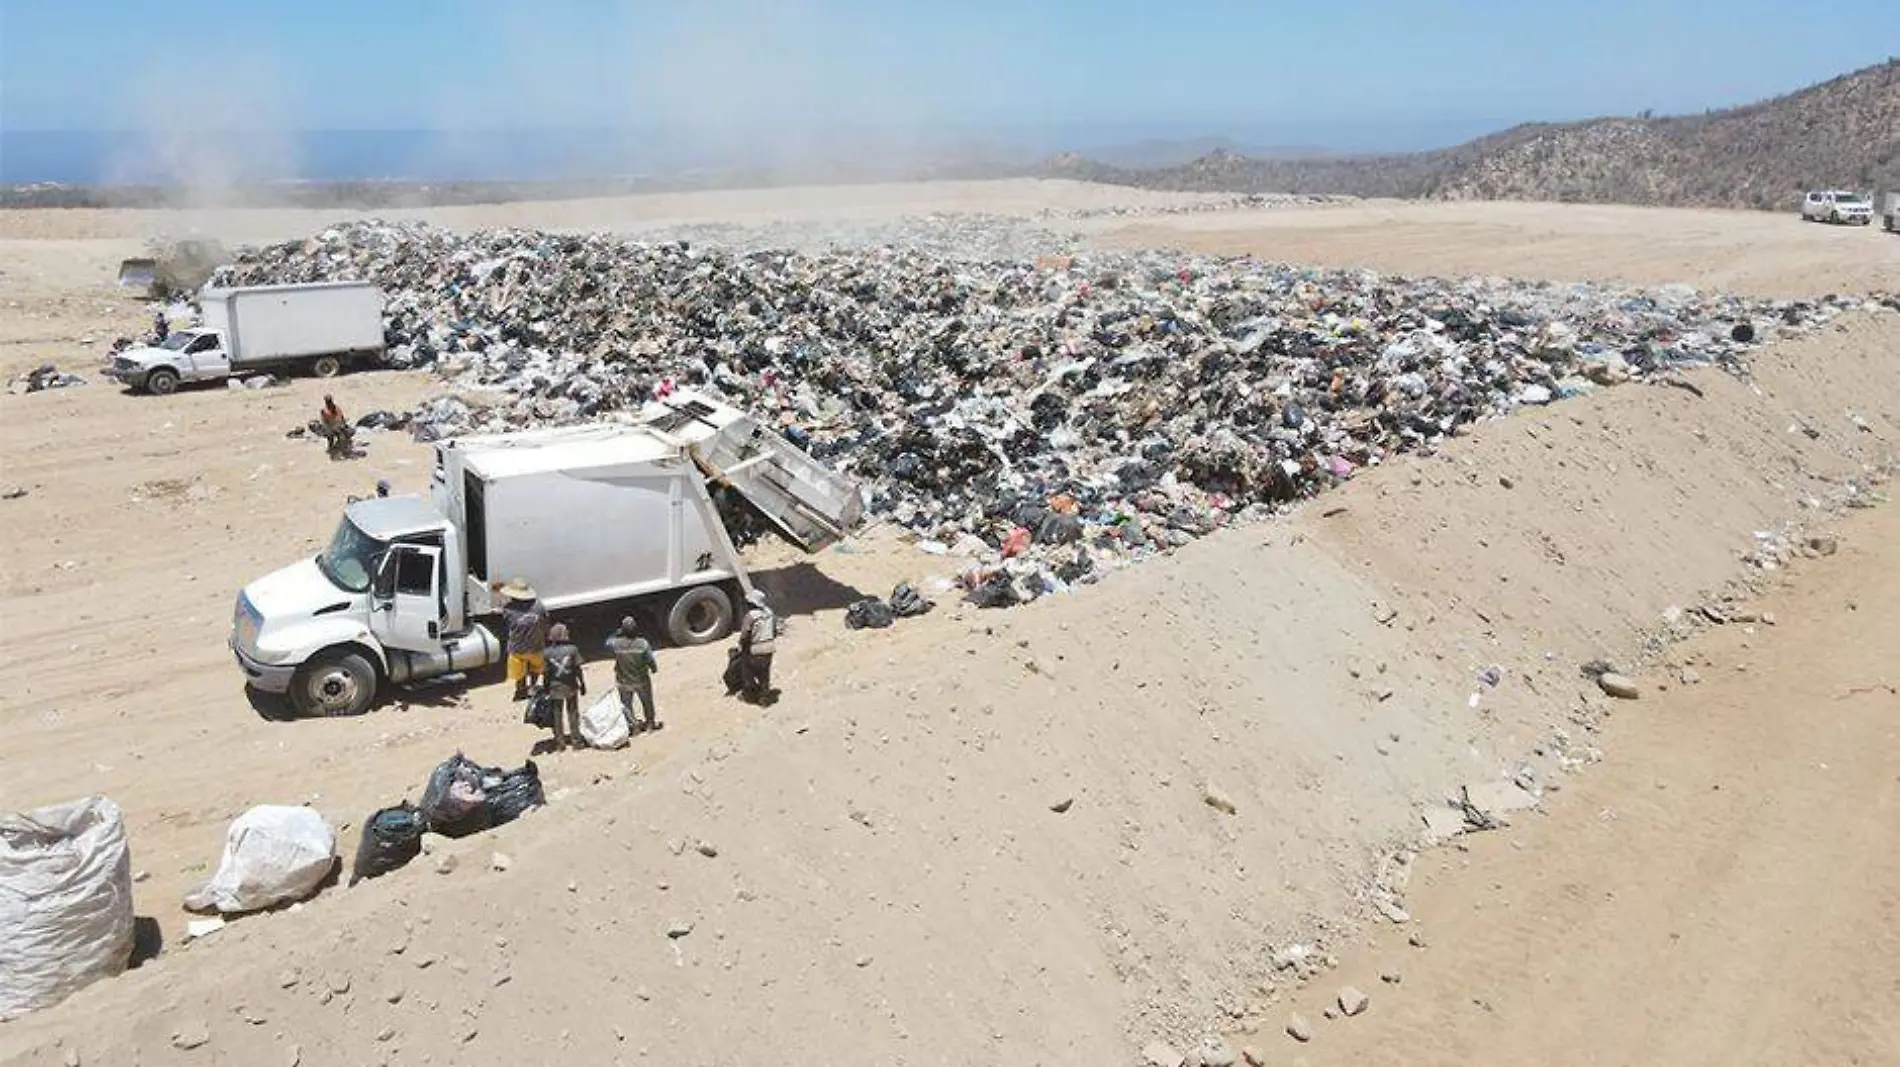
[700, 616]
[333, 686]
[327, 367]
[162, 382]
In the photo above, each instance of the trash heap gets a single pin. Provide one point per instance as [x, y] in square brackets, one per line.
[41, 378]
[1052, 414]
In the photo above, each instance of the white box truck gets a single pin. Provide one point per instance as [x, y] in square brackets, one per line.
[1890, 213]
[616, 513]
[320, 326]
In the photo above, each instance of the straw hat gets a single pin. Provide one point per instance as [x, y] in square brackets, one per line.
[519, 589]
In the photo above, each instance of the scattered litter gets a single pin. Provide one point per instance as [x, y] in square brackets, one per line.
[42, 378]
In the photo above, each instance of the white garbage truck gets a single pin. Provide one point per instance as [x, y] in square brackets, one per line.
[321, 327]
[624, 514]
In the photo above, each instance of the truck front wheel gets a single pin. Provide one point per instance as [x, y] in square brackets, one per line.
[162, 382]
[327, 367]
[333, 685]
[700, 616]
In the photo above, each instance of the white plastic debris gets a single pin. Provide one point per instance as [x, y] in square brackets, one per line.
[273, 854]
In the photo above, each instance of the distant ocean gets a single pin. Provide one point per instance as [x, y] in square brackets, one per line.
[162, 158]
[125, 158]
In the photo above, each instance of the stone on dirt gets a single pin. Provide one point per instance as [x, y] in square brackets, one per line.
[1216, 1053]
[1299, 1029]
[190, 1035]
[1617, 686]
[1352, 1001]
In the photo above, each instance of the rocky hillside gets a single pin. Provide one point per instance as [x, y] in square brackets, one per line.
[1845, 132]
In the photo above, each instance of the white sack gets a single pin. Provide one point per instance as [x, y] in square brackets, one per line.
[273, 854]
[65, 902]
[603, 725]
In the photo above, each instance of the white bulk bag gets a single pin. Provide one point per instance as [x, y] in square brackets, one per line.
[604, 725]
[273, 854]
[65, 902]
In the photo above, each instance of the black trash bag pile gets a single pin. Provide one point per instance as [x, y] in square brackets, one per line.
[874, 614]
[959, 375]
[462, 797]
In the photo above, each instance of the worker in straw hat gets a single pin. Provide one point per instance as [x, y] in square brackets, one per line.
[527, 624]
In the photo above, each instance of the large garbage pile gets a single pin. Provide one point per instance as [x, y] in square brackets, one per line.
[1061, 412]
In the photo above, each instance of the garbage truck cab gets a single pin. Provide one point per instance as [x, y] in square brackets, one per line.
[611, 513]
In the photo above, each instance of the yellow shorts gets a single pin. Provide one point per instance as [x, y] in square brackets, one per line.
[522, 664]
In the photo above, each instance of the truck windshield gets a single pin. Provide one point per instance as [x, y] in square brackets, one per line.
[351, 558]
[176, 342]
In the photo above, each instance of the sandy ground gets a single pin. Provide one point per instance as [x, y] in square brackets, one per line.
[891, 884]
[1725, 889]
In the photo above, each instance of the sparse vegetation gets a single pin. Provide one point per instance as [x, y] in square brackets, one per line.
[1844, 132]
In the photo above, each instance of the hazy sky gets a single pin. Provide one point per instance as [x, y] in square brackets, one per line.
[744, 64]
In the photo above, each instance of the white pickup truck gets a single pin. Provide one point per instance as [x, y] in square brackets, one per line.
[618, 513]
[1838, 205]
[320, 327]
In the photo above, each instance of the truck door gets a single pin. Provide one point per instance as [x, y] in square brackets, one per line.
[406, 599]
[208, 358]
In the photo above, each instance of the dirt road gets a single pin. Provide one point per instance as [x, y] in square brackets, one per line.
[1723, 890]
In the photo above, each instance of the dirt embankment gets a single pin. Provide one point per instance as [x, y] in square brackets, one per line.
[891, 882]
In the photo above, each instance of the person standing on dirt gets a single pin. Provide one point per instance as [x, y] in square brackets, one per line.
[634, 667]
[161, 327]
[567, 684]
[758, 633]
[527, 624]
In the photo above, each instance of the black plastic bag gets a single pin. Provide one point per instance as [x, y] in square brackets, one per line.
[907, 602]
[869, 613]
[543, 709]
[995, 592]
[454, 804]
[735, 671]
[391, 837]
[514, 793]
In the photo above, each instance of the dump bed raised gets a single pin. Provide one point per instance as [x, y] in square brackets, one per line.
[813, 506]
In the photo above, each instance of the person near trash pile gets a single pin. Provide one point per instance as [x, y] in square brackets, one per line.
[634, 667]
[527, 624]
[567, 683]
[161, 327]
[757, 633]
[335, 427]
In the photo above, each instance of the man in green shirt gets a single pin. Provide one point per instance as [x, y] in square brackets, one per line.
[634, 667]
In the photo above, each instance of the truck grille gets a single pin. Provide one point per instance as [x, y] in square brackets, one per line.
[124, 365]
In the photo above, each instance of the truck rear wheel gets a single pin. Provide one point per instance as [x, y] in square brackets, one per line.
[327, 367]
[700, 616]
[334, 685]
[162, 382]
